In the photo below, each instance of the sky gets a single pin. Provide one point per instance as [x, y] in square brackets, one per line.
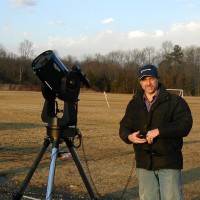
[88, 27]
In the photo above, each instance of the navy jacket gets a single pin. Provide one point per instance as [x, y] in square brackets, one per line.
[172, 116]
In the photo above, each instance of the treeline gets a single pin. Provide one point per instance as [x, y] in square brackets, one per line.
[116, 71]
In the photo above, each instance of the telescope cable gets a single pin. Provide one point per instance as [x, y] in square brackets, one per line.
[89, 172]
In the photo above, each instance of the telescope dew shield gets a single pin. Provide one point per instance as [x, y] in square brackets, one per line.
[51, 71]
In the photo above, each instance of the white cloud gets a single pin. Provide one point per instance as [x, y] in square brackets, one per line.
[58, 22]
[191, 6]
[27, 35]
[107, 21]
[142, 34]
[110, 40]
[136, 34]
[192, 26]
[5, 29]
[158, 33]
[109, 32]
[19, 3]
[54, 42]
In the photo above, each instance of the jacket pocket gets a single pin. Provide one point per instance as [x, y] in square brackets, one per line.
[167, 146]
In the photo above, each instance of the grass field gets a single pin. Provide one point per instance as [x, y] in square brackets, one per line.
[108, 159]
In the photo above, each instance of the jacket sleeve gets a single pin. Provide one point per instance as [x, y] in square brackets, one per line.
[126, 125]
[180, 122]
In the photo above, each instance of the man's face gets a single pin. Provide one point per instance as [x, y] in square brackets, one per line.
[149, 84]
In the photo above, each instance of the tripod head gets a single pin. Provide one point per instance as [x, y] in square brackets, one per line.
[59, 82]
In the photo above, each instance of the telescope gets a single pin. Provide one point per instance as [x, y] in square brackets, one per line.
[58, 82]
[63, 83]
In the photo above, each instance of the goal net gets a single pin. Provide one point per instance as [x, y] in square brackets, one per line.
[176, 91]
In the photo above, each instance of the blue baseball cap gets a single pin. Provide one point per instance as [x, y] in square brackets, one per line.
[148, 70]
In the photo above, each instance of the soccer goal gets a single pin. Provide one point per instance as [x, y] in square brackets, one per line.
[177, 91]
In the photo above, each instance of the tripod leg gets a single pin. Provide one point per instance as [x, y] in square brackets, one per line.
[19, 194]
[80, 168]
[52, 168]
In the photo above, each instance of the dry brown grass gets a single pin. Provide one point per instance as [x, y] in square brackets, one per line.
[109, 159]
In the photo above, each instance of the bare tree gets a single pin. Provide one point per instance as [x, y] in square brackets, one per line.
[25, 50]
[137, 57]
[2, 52]
[149, 53]
[192, 60]
[167, 47]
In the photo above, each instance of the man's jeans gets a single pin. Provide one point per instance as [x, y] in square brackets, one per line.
[164, 184]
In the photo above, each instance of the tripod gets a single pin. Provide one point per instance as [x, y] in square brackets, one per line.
[58, 130]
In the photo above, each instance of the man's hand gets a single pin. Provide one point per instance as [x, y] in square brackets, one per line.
[151, 135]
[135, 139]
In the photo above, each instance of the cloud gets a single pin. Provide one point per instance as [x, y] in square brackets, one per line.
[27, 35]
[107, 21]
[191, 6]
[142, 34]
[137, 34]
[110, 40]
[19, 3]
[192, 26]
[52, 40]
[158, 33]
[57, 22]
[5, 29]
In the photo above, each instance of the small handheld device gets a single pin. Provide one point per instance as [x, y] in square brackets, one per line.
[141, 135]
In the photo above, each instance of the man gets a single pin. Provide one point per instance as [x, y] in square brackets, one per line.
[155, 122]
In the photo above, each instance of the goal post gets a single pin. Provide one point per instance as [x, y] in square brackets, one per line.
[177, 91]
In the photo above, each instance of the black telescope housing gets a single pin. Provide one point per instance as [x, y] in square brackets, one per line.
[64, 83]
[58, 82]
